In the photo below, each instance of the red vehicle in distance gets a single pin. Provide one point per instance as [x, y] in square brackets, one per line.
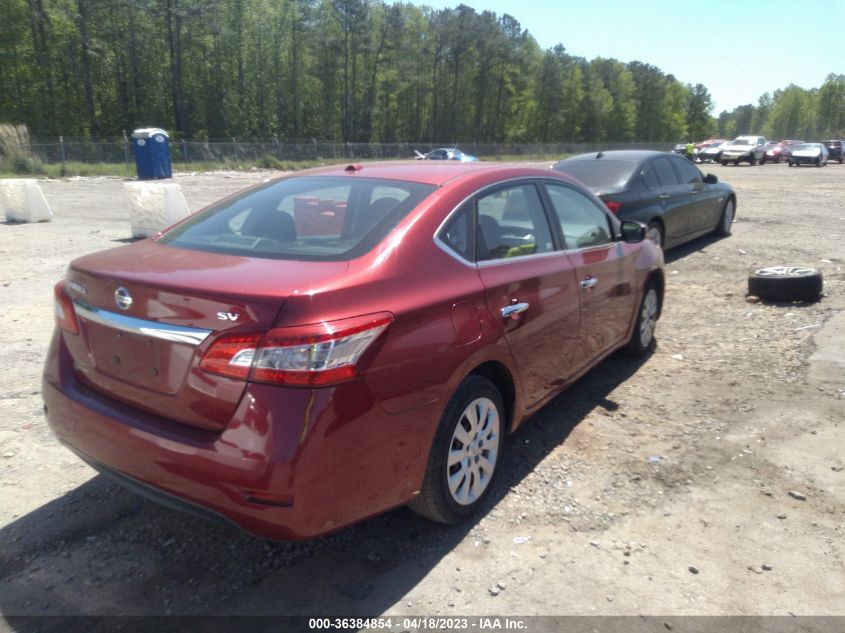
[780, 151]
[329, 345]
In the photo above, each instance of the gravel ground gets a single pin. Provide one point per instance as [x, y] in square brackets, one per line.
[706, 479]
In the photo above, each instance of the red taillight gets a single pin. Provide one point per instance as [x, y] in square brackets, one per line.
[305, 356]
[231, 355]
[65, 314]
[613, 206]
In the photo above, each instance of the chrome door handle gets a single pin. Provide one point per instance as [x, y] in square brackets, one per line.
[589, 282]
[513, 311]
[664, 196]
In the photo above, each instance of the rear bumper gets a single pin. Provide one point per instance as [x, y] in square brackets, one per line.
[290, 465]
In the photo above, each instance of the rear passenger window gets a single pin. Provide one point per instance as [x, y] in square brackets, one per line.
[687, 173]
[650, 178]
[512, 223]
[664, 172]
[582, 223]
[458, 233]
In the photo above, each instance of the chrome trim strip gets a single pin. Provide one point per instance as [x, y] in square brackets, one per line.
[164, 331]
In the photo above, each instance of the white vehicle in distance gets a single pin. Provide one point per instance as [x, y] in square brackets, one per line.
[744, 149]
[808, 154]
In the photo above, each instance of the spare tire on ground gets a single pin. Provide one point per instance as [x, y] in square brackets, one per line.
[786, 283]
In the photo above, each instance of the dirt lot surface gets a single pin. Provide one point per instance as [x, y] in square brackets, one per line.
[706, 479]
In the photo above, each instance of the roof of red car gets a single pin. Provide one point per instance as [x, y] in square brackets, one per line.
[431, 172]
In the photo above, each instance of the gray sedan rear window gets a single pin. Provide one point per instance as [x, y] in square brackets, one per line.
[309, 218]
[599, 173]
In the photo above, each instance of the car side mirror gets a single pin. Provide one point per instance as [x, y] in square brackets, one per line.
[711, 179]
[633, 232]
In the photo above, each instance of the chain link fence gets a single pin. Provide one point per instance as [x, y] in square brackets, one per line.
[235, 151]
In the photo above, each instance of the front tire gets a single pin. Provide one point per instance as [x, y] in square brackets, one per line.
[642, 338]
[465, 453]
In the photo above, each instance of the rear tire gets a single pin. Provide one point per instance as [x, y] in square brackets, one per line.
[465, 453]
[642, 338]
[654, 232]
[727, 219]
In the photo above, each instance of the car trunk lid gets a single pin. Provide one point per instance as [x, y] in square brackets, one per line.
[149, 312]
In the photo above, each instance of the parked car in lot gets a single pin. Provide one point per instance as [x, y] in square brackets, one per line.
[808, 154]
[293, 383]
[711, 151]
[744, 149]
[447, 153]
[779, 151]
[834, 150]
[665, 192]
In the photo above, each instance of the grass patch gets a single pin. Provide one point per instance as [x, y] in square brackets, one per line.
[268, 161]
[16, 155]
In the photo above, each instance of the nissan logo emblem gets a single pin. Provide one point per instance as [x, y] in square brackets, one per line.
[122, 298]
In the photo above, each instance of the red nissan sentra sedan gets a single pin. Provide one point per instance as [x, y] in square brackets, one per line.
[327, 346]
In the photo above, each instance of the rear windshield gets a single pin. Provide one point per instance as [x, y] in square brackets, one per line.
[309, 218]
[599, 173]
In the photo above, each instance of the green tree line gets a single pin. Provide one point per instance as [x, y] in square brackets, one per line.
[340, 70]
[792, 113]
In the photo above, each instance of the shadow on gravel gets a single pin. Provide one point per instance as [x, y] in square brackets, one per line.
[99, 550]
[699, 244]
[128, 240]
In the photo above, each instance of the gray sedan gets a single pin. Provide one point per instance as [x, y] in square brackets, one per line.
[664, 191]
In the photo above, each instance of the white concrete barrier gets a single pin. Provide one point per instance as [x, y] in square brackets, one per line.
[23, 200]
[154, 206]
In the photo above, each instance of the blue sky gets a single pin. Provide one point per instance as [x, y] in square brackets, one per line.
[738, 49]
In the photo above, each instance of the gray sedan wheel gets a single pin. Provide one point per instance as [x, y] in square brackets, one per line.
[654, 232]
[727, 219]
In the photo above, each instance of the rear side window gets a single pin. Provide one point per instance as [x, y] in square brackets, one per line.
[458, 233]
[687, 173]
[302, 218]
[664, 172]
[512, 223]
[650, 178]
[582, 223]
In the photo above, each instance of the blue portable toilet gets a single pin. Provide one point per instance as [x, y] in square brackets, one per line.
[152, 153]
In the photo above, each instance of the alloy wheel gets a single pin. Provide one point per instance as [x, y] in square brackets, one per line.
[648, 317]
[473, 451]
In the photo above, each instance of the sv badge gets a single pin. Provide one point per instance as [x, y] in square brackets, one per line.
[228, 316]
